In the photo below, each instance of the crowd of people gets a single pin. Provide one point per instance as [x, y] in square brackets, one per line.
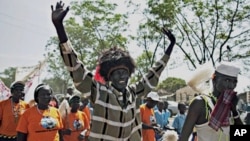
[70, 119]
[116, 114]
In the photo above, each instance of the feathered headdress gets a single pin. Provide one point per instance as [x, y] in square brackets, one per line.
[200, 79]
[64, 108]
[170, 135]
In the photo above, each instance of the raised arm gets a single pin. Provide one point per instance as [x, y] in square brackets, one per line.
[172, 39]
[194, 111]
[81, 76]
[58, 14]
[151, 79]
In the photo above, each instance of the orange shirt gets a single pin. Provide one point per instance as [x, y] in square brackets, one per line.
[86, 110]
[30, 123]
[8, 121]
[70, 120]
[146, 115]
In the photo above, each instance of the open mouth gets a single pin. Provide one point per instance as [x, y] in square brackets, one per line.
[122, 82]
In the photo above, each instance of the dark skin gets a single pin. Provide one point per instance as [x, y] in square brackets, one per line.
[151, 104]
[44, 97]
[17, 93]
[119, 77]
[160, 106]
[70, 91]
[197, 112]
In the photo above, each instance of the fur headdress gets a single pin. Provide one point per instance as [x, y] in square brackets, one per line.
[113, 59]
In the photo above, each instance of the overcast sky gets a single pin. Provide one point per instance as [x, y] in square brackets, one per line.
[25, 29]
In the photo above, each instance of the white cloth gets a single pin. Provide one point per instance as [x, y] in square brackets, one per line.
[206, 133]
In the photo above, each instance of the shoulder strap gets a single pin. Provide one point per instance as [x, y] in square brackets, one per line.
[209, 104]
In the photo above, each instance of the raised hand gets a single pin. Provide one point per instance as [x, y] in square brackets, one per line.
[168, 32]
[58, 13]
[171, 37]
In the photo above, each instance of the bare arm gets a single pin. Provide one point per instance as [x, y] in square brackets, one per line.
[194, 112]
[58, 14]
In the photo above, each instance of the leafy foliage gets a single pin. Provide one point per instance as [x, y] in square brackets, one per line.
[8, 76]
[172, 84]
[206, 31]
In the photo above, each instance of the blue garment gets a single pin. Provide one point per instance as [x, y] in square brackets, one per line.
[162, 117]
[179, 122]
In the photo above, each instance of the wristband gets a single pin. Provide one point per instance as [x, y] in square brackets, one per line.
[235, 117]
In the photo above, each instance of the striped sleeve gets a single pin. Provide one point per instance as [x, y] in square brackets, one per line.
[150, 79]
[82, 77]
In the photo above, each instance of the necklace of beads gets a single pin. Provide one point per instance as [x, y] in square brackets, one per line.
[15, 110]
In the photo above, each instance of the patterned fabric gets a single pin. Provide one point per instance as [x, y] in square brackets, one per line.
[221, 112]
[113, 119]
[6, 138]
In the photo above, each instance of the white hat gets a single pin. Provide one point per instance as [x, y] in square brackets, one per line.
[228, 69]
[154, 96]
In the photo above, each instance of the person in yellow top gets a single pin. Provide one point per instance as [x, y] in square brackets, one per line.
[40, 122]
[11, 110]
[76, 123]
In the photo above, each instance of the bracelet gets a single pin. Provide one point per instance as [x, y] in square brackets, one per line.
[235, 117]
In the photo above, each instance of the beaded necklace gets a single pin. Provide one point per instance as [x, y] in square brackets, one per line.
[15, 110]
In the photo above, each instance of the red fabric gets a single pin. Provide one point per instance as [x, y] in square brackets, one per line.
[97, 76]
[221, 112]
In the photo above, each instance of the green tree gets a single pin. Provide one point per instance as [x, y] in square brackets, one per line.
[92, 27]
[143, 62]
[209, 30]
[58, 85]
[8, 76]
[172, 84]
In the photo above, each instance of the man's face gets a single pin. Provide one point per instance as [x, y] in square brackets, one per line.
[119, 78]
[44, 96]
[160, 105]
[151, 103]
[75, 105]
[224, 82]
[18, 92]
[70, 91]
